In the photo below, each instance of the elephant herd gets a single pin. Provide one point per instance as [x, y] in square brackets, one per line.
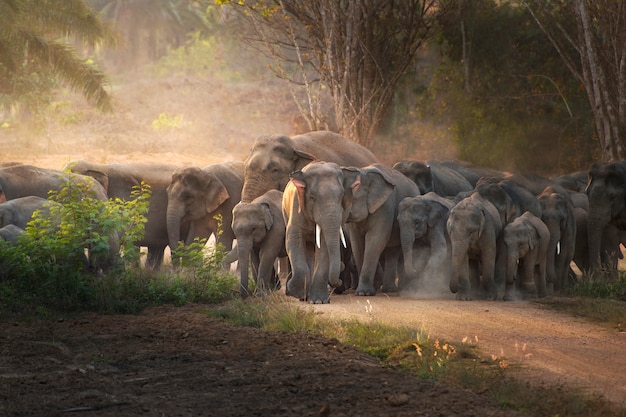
[336, 219]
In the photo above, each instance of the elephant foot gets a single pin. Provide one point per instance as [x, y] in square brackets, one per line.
[461, 296]
[319, 300]
[296, 293]
[389, 288]
[365, 290]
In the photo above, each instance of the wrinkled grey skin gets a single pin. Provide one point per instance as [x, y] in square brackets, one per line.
[475, 228]
[21, 180]
[259, 228]
[435, 177]
[519, 200]
[424, 239]
[273, 158]
[19, 211]
[526, 239]
[558, 214]
[196, 196]
[118, 181]
[373, 225]
[606, 191]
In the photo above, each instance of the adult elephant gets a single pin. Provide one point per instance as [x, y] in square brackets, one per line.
[118, 181]
[259, 228]
[606, 191]
[433, 176]
[196, 196]
[315, 205]
[273, 158]
[475, 227]
[558, 214]
[372, 224]
[23, 180]
[425, 242]
[527, 239]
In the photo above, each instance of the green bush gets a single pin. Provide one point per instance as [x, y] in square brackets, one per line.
[55, 265]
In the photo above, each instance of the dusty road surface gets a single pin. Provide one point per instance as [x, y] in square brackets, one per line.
[552, 347]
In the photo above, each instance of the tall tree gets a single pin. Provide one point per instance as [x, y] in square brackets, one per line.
[356, 50]
[34, 50]
[504, 89]
[595, 52]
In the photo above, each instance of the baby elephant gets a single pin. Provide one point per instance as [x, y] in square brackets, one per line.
[527, 239]
[19, 211]
[260, 232]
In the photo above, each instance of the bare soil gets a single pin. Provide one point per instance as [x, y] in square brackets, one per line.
[171, 361]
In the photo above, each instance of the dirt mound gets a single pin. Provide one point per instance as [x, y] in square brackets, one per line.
[179, 362]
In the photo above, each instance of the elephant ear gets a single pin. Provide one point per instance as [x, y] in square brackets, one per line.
[297, 178]
[379, 190]
[99, 176]
[532, 237]
[216, 189]
[351, 183]
[436, 213]
[301, 159]
[267, 216]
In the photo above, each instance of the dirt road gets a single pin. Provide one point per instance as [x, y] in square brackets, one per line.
[551, 346]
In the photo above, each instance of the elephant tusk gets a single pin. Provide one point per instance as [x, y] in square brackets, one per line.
[343, 237]
[318, 231]
[558, 247]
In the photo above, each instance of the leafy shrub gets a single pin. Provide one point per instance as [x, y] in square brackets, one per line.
[56, 264]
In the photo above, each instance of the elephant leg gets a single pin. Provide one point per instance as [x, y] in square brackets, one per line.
[391, 257]
[266, 273]
[155, 257]
[473, 274]
[371, 258]
[297, 252]
[318, 290]
[488, 267]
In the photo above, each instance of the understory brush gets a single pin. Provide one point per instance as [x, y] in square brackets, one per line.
[55, 265]
[413, 351]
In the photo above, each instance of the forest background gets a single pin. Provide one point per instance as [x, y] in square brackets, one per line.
[488, 82]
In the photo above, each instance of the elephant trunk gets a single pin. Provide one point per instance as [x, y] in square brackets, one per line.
[597, 219]
[244, 248]
[407, 239]
[459, 279]
[555, 237]
[253, 187]
[511, 267]
[174, 216]
[331, 234]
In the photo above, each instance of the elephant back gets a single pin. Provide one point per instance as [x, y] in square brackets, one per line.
[331, 147]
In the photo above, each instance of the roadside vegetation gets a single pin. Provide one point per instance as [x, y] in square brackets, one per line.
[414, 351]
[53, 267]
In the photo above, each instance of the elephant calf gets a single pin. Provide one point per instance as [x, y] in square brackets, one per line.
[259, 228]
[527, 239]
[425, 241]
[19, 211]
